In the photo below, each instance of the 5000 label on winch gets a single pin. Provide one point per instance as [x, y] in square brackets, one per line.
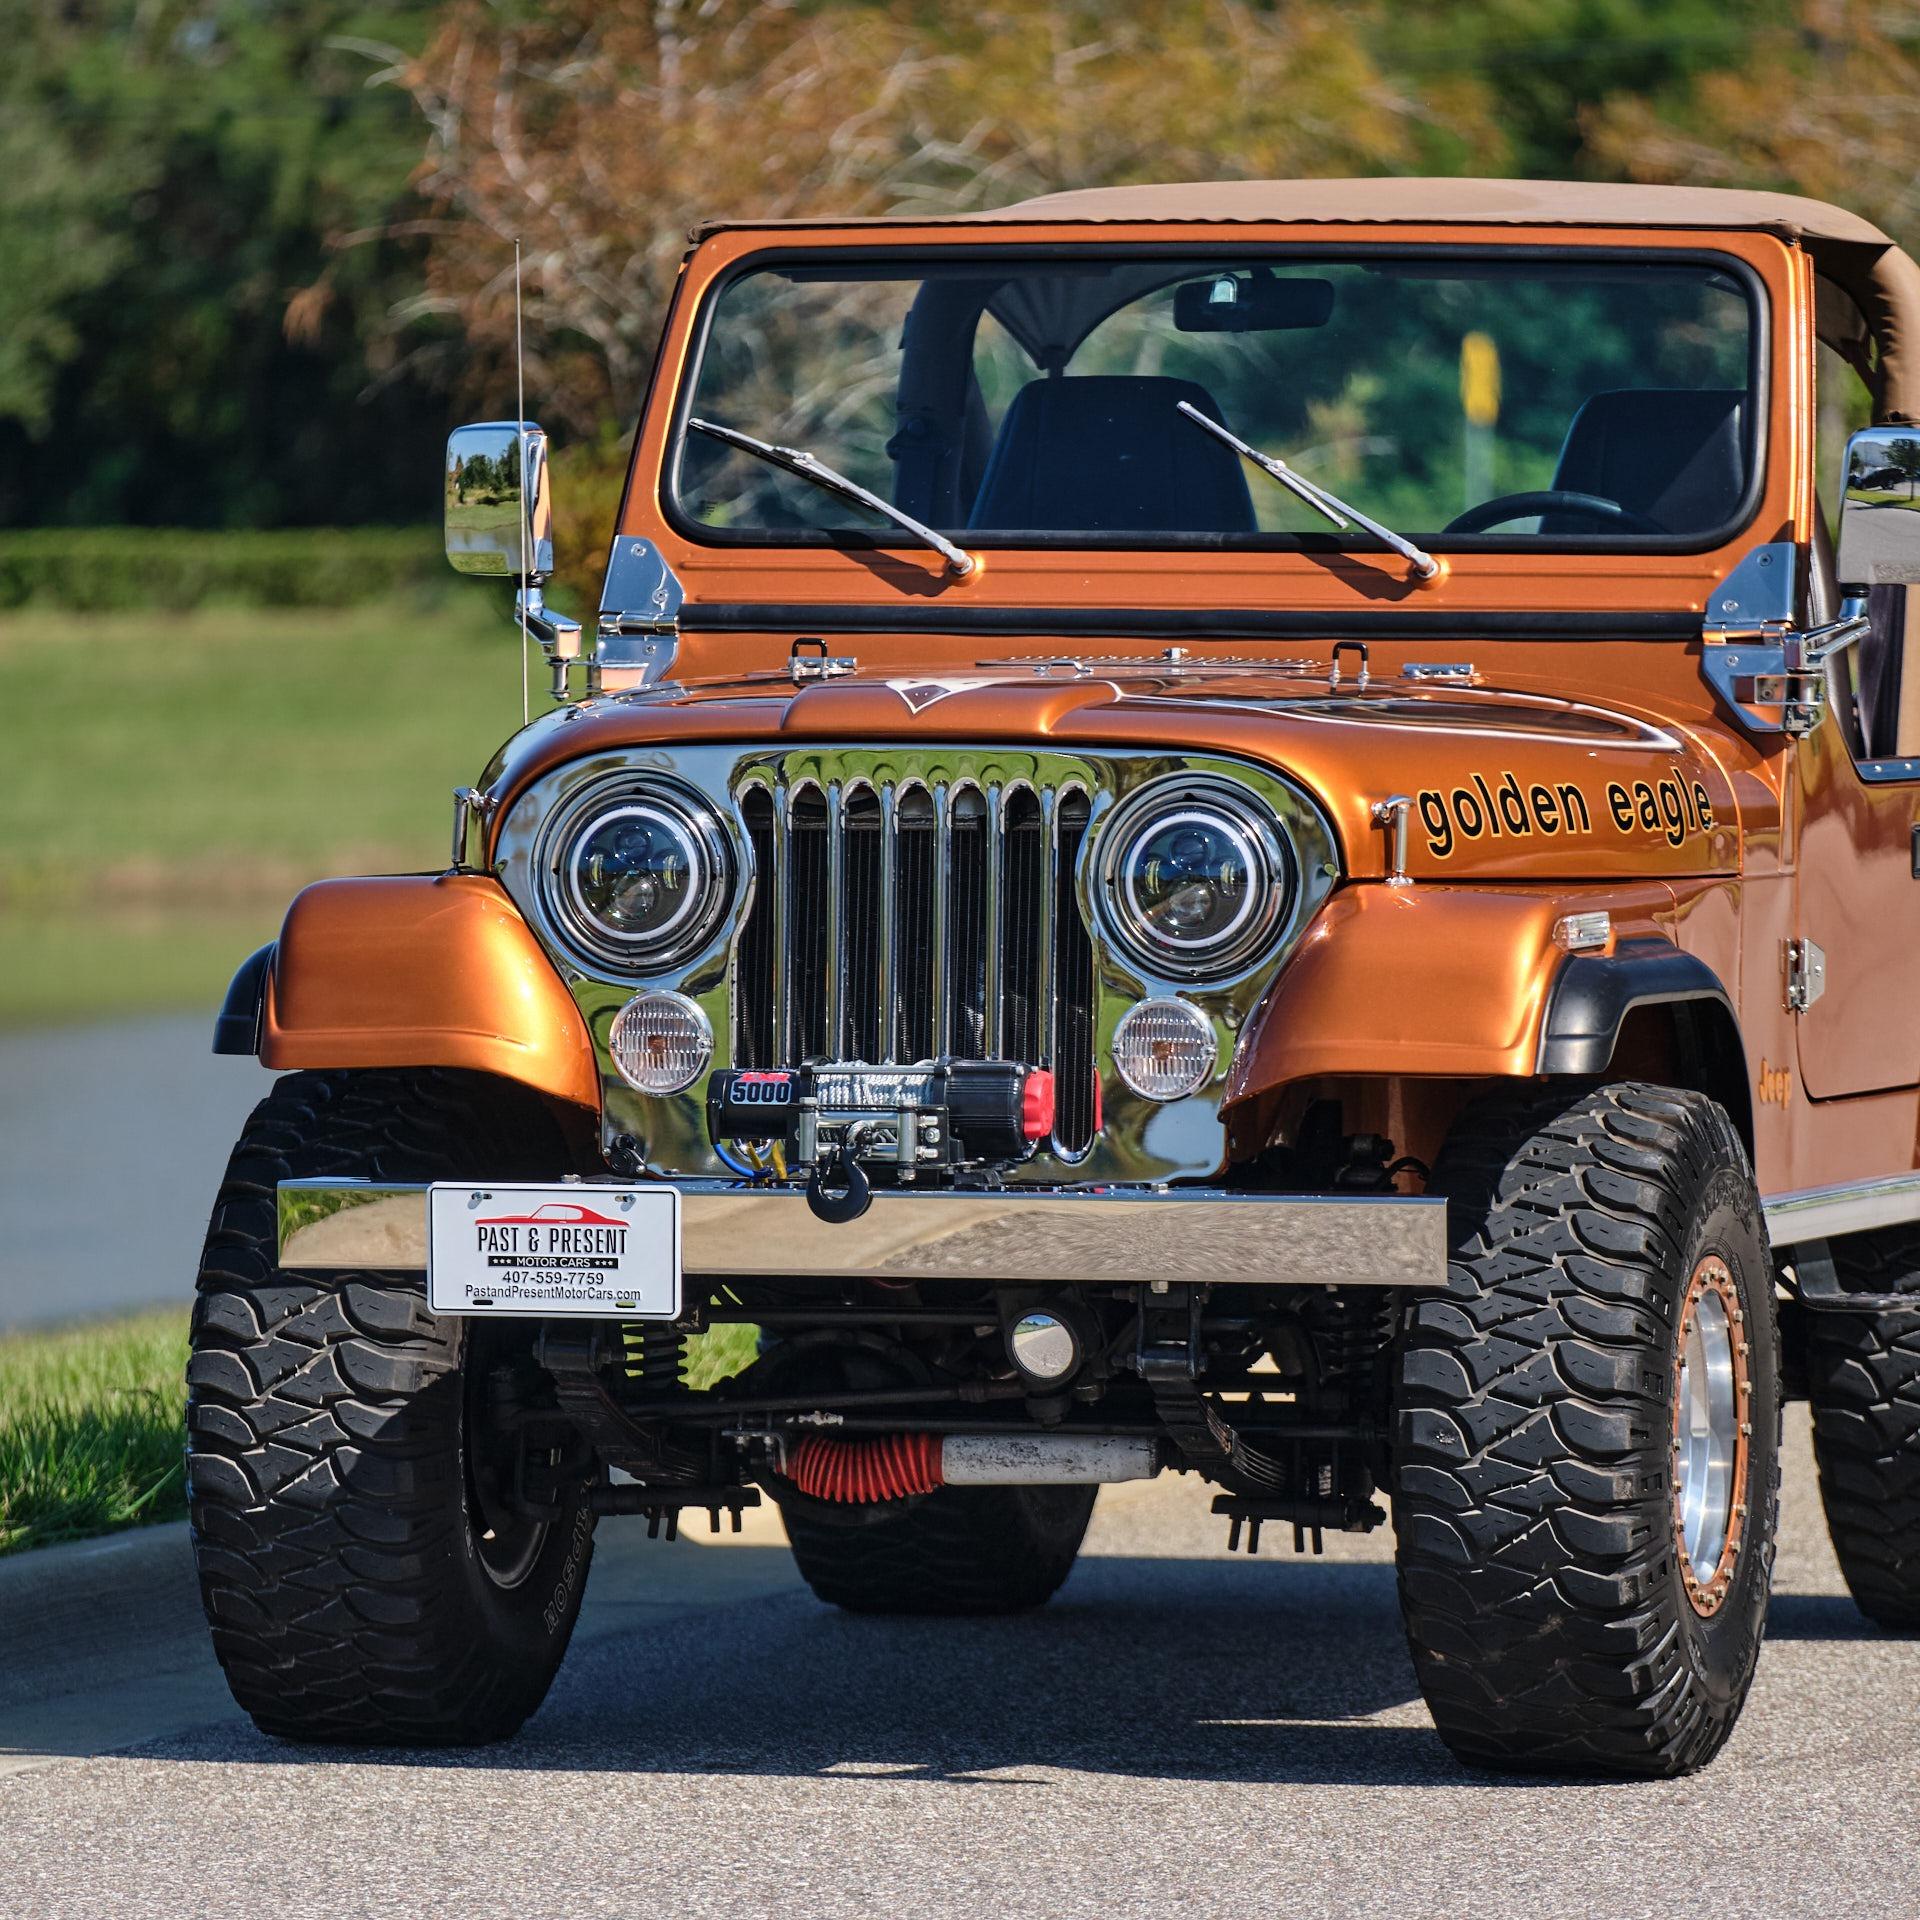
[608, 1252]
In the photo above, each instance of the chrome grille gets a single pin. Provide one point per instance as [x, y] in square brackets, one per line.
[902, 921]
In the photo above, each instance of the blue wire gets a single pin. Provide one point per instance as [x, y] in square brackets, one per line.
[727, 1159]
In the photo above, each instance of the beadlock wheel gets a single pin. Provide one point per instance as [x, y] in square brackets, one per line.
[1710, 1434]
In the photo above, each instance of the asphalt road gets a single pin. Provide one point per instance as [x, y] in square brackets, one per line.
[112, 1141]
[1178, 1733]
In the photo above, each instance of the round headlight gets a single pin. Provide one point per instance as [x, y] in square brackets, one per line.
[661, 1042]
[1164, 1049]
[638, 875]
[1196, 876]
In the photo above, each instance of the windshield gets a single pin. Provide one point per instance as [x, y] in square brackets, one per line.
[1005, 399]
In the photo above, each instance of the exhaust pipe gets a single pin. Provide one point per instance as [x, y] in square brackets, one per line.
[894, 1466]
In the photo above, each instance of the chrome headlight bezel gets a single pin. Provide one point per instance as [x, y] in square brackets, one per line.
[1272, 860]
[712, 868]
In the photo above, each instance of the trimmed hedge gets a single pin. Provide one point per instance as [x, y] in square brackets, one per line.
[173, 569]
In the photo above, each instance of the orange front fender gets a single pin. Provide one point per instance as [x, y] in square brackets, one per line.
[423, 970]
[1431, 982]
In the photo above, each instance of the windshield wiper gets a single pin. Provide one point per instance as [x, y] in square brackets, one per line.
[795, 460]
[1424, 565]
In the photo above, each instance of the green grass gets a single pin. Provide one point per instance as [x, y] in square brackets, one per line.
[714, 1356]
[172, 780]
[92, 1423]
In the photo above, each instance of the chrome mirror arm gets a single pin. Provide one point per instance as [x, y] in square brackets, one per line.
[1810, 651]
[559, 637]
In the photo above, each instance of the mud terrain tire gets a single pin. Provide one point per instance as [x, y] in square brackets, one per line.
[353, 1593]
[1543, 1587]
[959, 1550]
[1863, 1374]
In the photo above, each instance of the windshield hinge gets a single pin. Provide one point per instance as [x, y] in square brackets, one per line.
[638, 633]
[1770, 672]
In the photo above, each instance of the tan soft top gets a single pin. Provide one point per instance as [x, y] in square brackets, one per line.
[1543, 203]
[1881, 280]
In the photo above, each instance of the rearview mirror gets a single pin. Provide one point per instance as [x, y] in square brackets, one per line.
[1251, 303]
[1879, 541]
[497, 500]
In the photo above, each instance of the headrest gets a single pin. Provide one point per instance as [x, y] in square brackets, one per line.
[1678, 455]
[1110, 453]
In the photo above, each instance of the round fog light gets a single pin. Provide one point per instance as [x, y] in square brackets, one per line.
[1164, 1049]
[661, 1042]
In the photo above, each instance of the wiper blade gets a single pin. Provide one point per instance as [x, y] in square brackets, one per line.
[797, 461]
[1424, 565]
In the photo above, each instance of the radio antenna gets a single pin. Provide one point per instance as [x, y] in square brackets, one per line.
[526, 504]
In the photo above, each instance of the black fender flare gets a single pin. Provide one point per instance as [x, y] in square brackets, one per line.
[237, 1030]
[1594, 993]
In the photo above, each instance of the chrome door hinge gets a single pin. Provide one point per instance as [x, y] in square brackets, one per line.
[1806, 974]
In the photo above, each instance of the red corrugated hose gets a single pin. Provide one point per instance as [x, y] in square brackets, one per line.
[857, 1472]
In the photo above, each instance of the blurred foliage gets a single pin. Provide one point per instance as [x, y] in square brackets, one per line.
[186, 338]
[127, 569]
[256, 254]
[1826, 102]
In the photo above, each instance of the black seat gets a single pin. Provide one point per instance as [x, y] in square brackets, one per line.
[1109, 453]
[1675, 454]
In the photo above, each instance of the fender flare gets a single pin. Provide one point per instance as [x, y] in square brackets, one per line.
[237, 1029]
[1465, 983]
[411, 970]
[1593, 993]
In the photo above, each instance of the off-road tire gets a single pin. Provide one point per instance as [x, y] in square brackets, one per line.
[339, 1558]
[1863, 1375]
[1540, 1579]
[958, 1550]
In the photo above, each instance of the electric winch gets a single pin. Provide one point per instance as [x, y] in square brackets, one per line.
[838, 1123]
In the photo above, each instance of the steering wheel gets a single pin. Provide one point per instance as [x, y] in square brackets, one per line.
[1522, 506]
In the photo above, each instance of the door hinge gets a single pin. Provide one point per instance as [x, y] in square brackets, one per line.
[1806, 974]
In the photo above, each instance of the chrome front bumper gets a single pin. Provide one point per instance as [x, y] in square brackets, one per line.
[1012, 1237]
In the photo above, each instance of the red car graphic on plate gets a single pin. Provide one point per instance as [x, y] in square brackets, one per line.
[555, 1213]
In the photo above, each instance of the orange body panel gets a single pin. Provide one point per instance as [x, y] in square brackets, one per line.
[1422, 980]
[423, 970]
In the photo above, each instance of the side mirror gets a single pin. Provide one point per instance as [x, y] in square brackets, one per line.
[497, 499]
[1879, 539]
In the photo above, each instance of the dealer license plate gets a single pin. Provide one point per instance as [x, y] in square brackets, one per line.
[611, 1252]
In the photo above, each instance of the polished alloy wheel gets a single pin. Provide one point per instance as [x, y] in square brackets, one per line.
[1710, 1433]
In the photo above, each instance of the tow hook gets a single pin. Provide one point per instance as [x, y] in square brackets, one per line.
[837, 1204]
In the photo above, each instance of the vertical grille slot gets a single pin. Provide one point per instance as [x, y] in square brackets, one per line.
[967, 924]
[864, 1035]
[808, 954]
[899, 922]
[914, 858]
[753, 976]
[1026, 905]
[1073, 1063]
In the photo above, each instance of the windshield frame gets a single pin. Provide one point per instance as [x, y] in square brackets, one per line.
[1210, 251]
